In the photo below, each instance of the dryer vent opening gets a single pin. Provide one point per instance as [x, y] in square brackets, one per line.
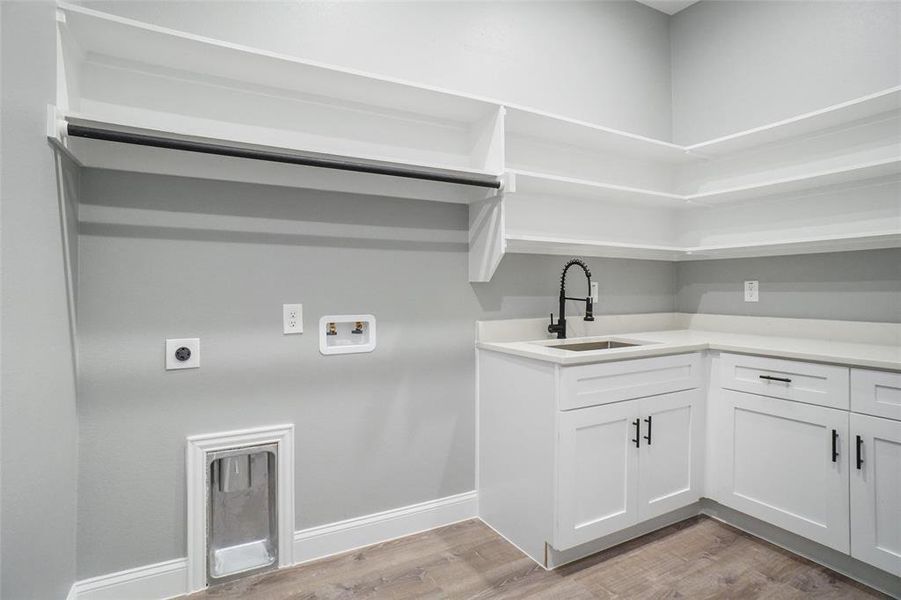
[242, 519]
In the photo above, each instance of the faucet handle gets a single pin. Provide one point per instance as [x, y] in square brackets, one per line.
[556, 327]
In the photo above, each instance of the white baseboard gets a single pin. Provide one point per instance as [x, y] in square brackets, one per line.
[169, 579]
[150, 582]
[326, 540]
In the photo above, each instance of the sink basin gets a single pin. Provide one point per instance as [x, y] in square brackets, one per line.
[585, 346]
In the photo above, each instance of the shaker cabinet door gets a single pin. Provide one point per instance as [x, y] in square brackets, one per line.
[597, 472]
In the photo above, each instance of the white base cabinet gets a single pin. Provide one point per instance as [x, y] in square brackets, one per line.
[778, 465]
[876, 492]
[574, 457]
[626, 462]
[571, 454]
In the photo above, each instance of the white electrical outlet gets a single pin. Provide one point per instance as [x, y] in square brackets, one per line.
[594, 292]
[182, 353]
[292, 318]
[752, 291]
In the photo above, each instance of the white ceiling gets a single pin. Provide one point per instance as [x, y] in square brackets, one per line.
[670, 7]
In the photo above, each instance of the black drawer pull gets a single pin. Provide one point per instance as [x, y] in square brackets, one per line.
[859, 447]
[637, 440]
[834, 445]
[771, 378]
[648, 436]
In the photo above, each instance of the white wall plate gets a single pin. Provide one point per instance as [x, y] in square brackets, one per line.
[346, 334]
[184, 359]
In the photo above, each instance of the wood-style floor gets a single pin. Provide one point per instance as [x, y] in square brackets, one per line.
[699, 558]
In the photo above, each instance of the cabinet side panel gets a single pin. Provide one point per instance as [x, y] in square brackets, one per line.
[516, 449]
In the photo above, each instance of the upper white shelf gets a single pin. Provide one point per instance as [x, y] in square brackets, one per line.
[557, 129]
[122, 75]
[884, 102]
[99, 35]
[551, 186]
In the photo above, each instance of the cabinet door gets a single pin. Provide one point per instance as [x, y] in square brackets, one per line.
[670, 457]
[876, 492]
[779, 466]
[597, 472]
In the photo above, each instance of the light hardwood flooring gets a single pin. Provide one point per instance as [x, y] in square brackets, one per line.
[698, 558]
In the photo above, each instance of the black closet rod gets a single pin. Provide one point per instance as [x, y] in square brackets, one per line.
[110, 135]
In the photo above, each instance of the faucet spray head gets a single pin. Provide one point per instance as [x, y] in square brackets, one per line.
[589, 309]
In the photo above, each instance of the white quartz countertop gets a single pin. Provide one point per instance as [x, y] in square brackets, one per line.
[658, 343]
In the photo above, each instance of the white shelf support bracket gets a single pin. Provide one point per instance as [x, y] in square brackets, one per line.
[508, 182]
[57, 127]
[487, 243]
[488, 151]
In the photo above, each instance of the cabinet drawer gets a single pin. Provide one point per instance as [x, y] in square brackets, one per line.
[603, 383]
[824, 385]
[876, 393]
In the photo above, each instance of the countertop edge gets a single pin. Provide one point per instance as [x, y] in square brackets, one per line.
[664, 349]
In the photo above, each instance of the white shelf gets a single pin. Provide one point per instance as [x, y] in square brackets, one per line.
[885, 102]
[542, 184]
[556, 129]
[535, 244]
[98, 34]
[799, 183]
[128, 76]
[129, 157]
[814, 245]
[533, 123]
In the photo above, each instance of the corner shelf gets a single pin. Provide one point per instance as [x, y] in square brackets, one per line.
[883, 102]
[812, 245]
[548, 185]
[857, 172]
[517, 243]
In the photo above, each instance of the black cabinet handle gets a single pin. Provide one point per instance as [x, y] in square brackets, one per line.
[859, 459]
[648, 436]
[637, 439]
[834, 445]
[771, 378]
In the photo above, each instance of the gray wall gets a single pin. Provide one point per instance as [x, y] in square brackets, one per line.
[38, 485]
[374, 431]
[737, 65]
[856, 286]
[607, 62]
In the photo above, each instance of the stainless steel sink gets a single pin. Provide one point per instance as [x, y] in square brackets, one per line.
[585, 346]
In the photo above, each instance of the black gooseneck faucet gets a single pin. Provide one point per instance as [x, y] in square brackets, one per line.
[560, 327]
